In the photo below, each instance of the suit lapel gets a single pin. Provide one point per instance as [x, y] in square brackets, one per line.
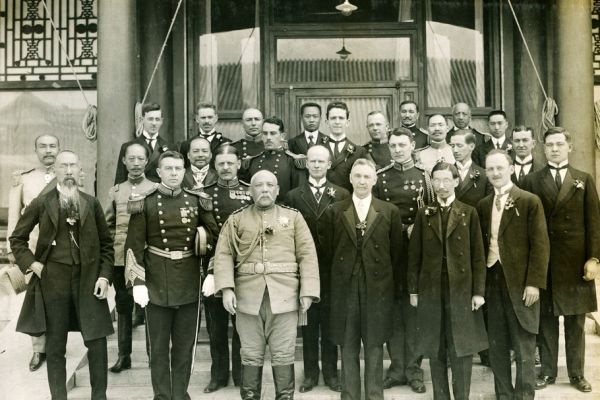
[350, 221]
[435, 221]
[52, 207]
[308, 197]
[453, 218]
[83, 209]
[567, 189]
[343, 154]
[325, 200]
[465, 184]
[548, 185]
[372, 217]
[507, 215]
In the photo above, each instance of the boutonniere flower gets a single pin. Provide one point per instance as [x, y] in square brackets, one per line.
[325, 139]
[284, 221]
[579, 184]
[509, 147]
[350, 149]
[165, 148]
[362, 226]
[72, 217]
[218, 136]
[331, 192]
[510, 203]
[268, 230]
[475, 177]
[430, 210]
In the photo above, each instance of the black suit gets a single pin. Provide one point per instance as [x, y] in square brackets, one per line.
[160, 147]
[535, 166]
[474, 187]
[303, 199]
[339, 173]
[479, 137]
[482, 150]
[299, 145]
[217, 140]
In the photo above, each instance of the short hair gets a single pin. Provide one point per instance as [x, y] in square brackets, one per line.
[203, 104]
[468, 134]
[366, 162]
[337, 104]
[502, 152]
[444, 166]
[70, 152]
[199, 138]
[170, 154]
[556, 130]
[225, 148]
[523, 128]
[402, 132]
[460, 102]
[497, 112]
[310, 104]
[405, 102]
[45, 134]
[320, 146]
[275, 121]
[435, 115]
[128, 145]
[147, 107]
[375, 112]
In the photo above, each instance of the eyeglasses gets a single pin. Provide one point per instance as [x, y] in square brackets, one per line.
[445, 181]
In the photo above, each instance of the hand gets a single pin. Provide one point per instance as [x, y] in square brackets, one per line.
[530, 295]
[305, 302]
[11, 258]
[414, 300]
[229, 300]
[140, 295]
[208, 287]
[409, 230]
[37, 268]
[476, 302]
[590, 270]
[101, 289]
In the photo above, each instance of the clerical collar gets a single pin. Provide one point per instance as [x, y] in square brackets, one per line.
[228, 184]
[136, 180]
[504, 189]
[196, 170]
[316, 183]
[206, 134]
[557, 166]
[448, 201]
[405, 165]
[148, 137]
[525, 160]
[167, 191]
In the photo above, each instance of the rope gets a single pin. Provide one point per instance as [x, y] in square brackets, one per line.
[597, 122]
[89, 120]
[138, 106]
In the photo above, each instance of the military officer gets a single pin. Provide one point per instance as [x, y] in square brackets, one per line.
[117, 219]
[438, 149]
[409, 116]
[27, 185]
[199, 173]
[251, 144]
[165, 271]
[377, 147]
[228, 194]
[408, 188]
[267, 271]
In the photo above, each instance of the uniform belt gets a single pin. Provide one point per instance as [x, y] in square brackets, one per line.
[267, 268]
[173, 255]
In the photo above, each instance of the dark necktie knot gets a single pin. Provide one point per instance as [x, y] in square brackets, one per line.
[552, 167]
[337, 141]
[522, 164]
[318, 187]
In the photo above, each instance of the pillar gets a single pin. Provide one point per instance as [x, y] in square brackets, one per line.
[117, 85]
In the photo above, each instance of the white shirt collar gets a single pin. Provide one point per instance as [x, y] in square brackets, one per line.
[504, 189]
[464, 166]
[499, 141]
[196, 170]
[148, 137]
[313, 134]
[448, 202]
[524, 160]
[366, 202]
[212, 132]
[558, 165]
[319, 183]
[342, 137]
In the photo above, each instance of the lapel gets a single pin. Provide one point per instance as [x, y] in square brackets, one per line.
[83, 209]
[188, 179]
[567, 190]
[454, 218]
[343, 154]
[486, 205]
[349, 220]
[548, 186]
[326, 199]
[52, 206]
[466, 184]
[154, 154]
[308, 197]
[372, 217]
[435, 221]
[507, 215]
[211, 177]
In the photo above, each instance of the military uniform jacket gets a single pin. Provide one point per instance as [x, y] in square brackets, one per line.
[420, 135]
[117, 216]
[189, 182]
[573, 220]
[247, 147]
[227, 197]
[217, 140]
[466, 268]
[339, 173]
[474, 187]
[168, 220]
[524, 249]
[160, 147]
[255, 238]
[427, 157]
[279, 163]
[299, 145]
[379, 153]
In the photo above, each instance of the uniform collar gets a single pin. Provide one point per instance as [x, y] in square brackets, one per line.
[167, 191]
[137, 180]
[405, 165]
[228, 184]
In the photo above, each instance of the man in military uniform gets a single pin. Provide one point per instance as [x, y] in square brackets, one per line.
[267, 271]
[275, 158]
[206, 118]
[409, 116]
[163, 230]
[438, 149]
[117, 219]
[311, 120]
[461, 117]
[251, 144]
[228, 195]
[408, 188]
[377, 147]
[199, 173]
[312, 199]
[27, 185]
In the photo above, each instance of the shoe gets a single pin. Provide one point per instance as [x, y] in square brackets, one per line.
[390, 382]
[417, 386]
[543, 380]
[251, 385]
[283, 377]
[308, 385]
[334, 384]
[213, 386]
[36, 361]
[581, 384]
[123, 363]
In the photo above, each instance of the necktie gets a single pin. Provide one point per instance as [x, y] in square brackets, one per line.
[522, 170]
[557, 177]
[151, 143]
[498, 202]
[497, 145]
[310, 140]
[336, 146]
[318, 193]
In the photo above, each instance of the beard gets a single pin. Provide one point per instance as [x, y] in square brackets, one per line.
[68, 196]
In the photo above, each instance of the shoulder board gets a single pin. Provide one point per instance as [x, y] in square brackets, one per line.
[299, 159]
[135, 204]
[25, 171]
[421, 149]
[246, 161]
[288, 207]
[420, 168]
[116, 187]
[240, 209]
[243, 183]
[210, 185]
[204, 199]
[17, 177]
[380, 170]
[423, 131]
[236, 142]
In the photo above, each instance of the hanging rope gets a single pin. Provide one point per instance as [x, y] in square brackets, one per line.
[88, 124]
[550, 108]
[138, 106]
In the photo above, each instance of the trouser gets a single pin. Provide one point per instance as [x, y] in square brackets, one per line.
[38, 344]
[172, 332]
[405, 363]
[60, 288]
[318, 328]
[574, 339]
[506, 333]
[217, 325]
[124, 303]
[355, 332]
[277, 330]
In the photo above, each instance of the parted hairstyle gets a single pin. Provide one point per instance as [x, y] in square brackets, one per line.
[444, 166]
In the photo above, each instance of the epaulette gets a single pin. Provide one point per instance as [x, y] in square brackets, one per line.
[421, 149]
[135, 204]
[288, 207]
[299, 159]
[117, 187]
[240, 209]
[204, 199]
[243, 183]
[236, 142]
[246, 161]
[424, 131]
[16, 176]
[383, 169]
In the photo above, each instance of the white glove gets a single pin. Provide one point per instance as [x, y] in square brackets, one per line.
[140, 295]
[208, 287]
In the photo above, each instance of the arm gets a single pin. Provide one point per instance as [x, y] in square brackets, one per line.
[136, 240]
[478, 264]
[415, 254]
[110, 213]
[15, 205]
[224, 261]
[396, 249]
[306, 257]
[107, 251]
[19, 239]
[539, 245]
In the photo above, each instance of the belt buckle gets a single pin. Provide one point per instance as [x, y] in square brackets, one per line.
[259, 268]
[176, 255]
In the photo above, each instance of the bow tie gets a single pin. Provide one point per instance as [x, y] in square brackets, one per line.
[558, 168]
[525, 163]
[337, 141]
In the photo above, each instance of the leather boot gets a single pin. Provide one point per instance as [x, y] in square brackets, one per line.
[251, 386]
[284, 379]
[124, 339]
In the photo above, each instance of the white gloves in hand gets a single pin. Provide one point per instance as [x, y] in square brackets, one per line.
[208, 287]
[140, 295]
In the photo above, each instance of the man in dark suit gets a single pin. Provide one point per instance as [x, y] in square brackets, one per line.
[311, 120]
[446, 282]
[517, 251]
[377, 147]
[573, 217]
[461, 117]
[312, 199]
[344, 152]
[365, 257]
[150, 139]
[409, 116]
[206, 118]
[75, 253]
[199, 174]
[498, 124]
[523, 143]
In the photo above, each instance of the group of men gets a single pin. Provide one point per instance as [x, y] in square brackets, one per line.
[404, 241]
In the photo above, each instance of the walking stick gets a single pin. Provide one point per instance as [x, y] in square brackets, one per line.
[197, 318]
